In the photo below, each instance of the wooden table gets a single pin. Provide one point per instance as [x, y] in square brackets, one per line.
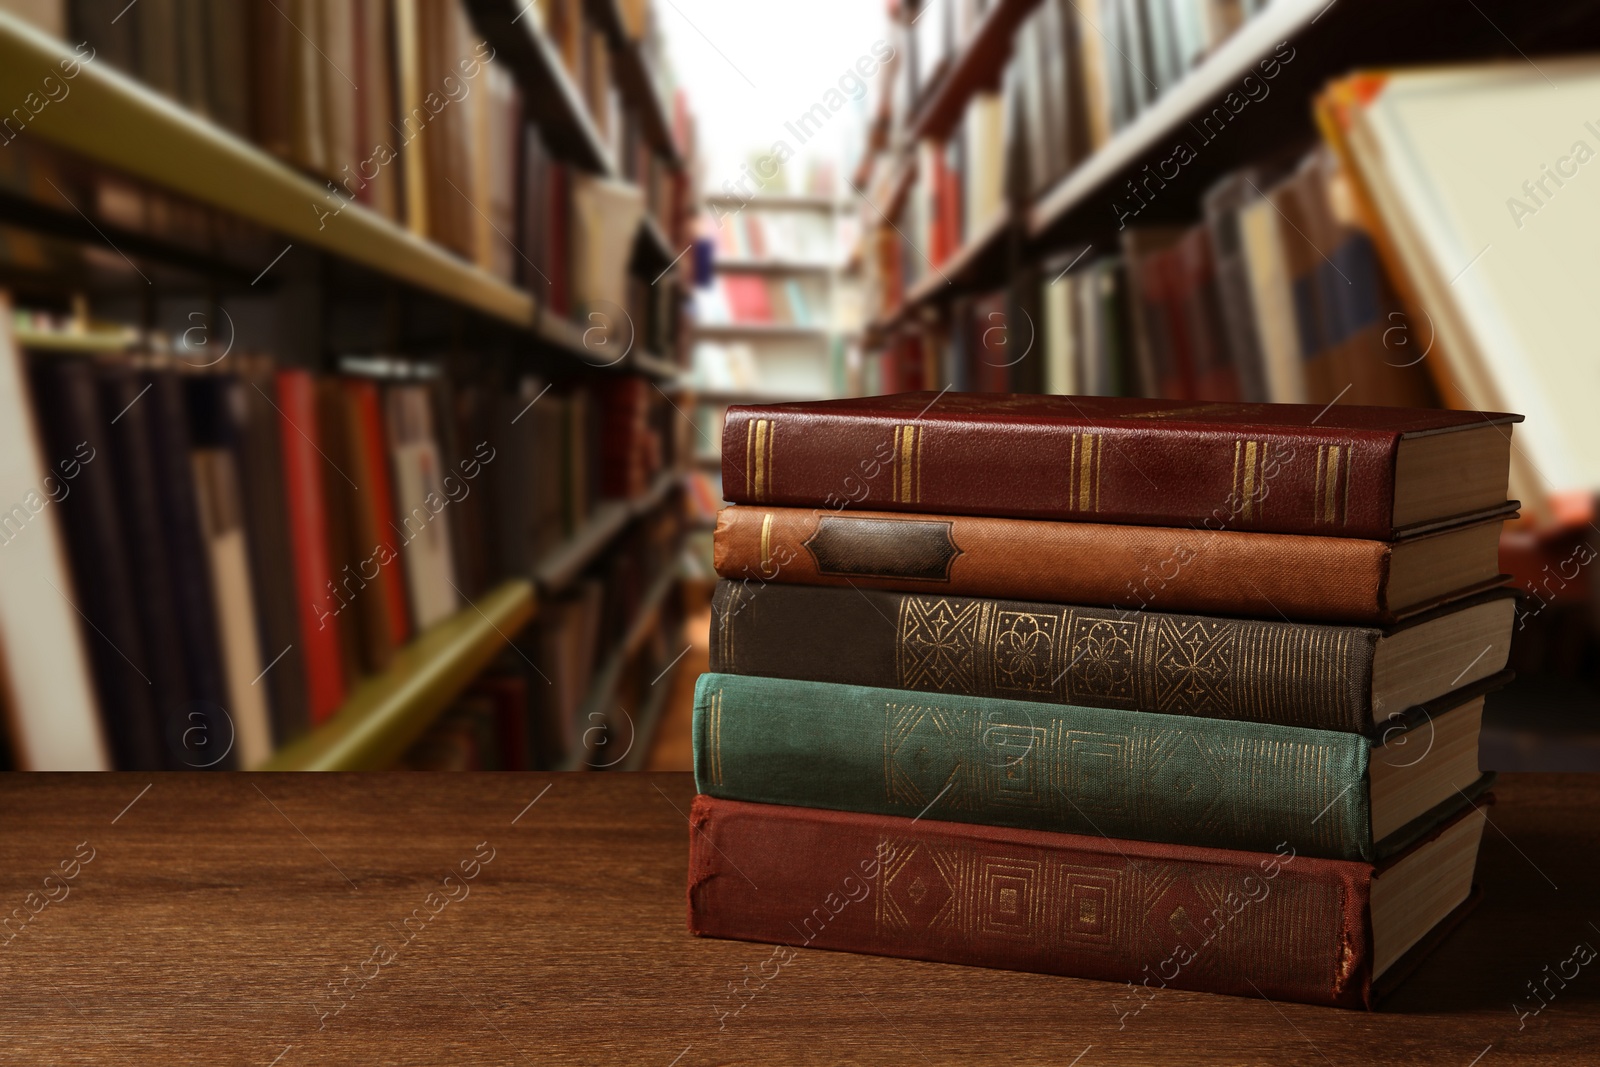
[218, 912]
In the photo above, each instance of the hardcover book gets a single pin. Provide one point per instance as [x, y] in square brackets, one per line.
[1275, 924]
[1350, 678]
[1127, 774]
[1373, 473]
[1209, 570]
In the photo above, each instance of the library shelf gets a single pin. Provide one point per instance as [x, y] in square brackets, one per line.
[637, 78]
[649, 718]
[564, 563]
[966, 269]
[659, 255]
[746, 265]
[653, 366]
[116, 122]
[552, 100]
[978, 64]
[604, 684]
[777, 202]
[89, 341]
[747, 396]
[388, 712]
[746, 331]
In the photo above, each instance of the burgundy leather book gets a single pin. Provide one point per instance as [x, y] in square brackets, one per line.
[1273, 924]
[1363, 472]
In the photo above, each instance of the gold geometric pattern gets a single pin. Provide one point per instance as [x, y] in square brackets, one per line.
[1024, 651]
[1193, 661]
[1183, 665]
[938, 644]
[971, 894]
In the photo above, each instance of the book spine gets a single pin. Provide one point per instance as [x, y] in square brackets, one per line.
[1287, 674]
[1131, 470]
[1138, 775]
[1279, 925]
[308, 534]
[1133, 568]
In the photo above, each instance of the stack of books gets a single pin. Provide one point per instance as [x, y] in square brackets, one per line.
[1177, 695]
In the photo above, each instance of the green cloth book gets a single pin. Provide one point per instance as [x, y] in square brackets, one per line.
[1119, 774]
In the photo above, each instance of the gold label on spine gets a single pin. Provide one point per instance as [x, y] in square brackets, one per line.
[907, 475]
[1083, 472]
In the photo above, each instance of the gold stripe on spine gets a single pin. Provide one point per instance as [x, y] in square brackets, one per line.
[766, 542]
[906, 439]
[1248, 510]
[763, 429]
[749, 458]
[1330, 483]
[772, 435]
[1085, 459]
[1072, 471]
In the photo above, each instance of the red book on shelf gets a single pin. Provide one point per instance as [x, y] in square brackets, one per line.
[378, 496]
[748, 300]
[308, 540]
[1368, 472]
[1146, 916]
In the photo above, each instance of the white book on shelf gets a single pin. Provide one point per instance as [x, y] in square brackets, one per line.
[45, 687]
[1482, 178]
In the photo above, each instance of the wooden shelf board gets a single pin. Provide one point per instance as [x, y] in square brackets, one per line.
[117, 122]
[1160, 122]
[772, 266]
[653, 365]
[388, 712]
[565, 562]
[778, 202]
[978, 64]
[61, 341]
[757, 331]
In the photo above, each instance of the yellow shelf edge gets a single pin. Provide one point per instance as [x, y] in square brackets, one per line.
[389, 711]
[110, 118]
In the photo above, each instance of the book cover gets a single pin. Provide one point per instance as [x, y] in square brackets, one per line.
[46, 669]
[308, 538]
[1127, 774]
[1275, 672]
[1134, 568]
[1283, 468]
[1275, 924]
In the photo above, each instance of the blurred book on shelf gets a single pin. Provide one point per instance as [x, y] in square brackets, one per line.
[227, 525]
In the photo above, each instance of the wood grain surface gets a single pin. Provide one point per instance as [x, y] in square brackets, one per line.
[219, 912]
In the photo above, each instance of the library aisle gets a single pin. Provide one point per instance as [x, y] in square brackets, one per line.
[364, 363]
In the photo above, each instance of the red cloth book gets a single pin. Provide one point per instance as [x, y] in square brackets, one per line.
[308, 539]
[1278, 925]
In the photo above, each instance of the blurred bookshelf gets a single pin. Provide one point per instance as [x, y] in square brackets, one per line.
[779, 320]
[399, 479]
[1182, 200]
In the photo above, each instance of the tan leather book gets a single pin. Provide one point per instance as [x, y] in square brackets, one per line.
[1137, 568]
